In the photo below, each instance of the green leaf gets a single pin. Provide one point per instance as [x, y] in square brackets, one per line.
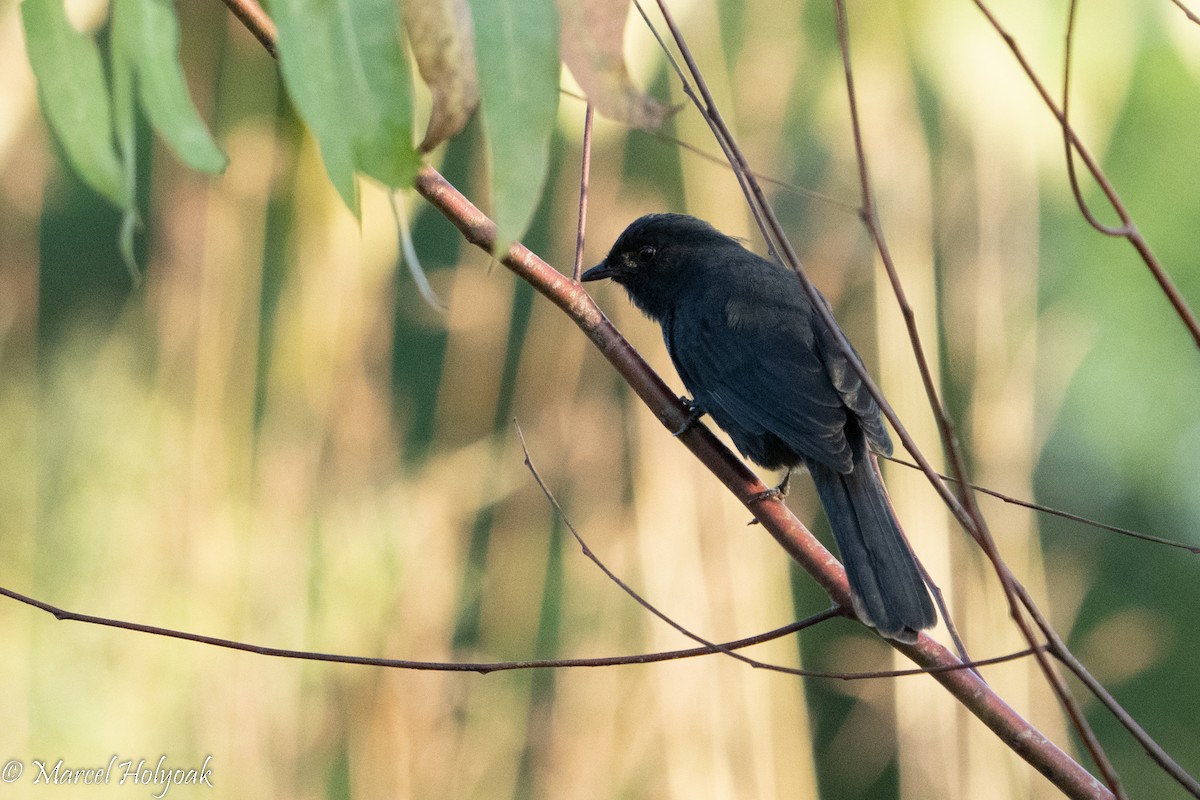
[74, 97]
[147, 32]
[344, 68]
[516, 46]
[384, 147]
[308, 61]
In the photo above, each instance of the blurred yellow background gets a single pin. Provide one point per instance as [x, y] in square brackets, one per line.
[272, 439]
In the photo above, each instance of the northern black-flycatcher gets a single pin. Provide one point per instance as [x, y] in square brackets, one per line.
[761, 362]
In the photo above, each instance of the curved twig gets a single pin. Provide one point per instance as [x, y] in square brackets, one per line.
[1108, 230]
[1132, 234]
[482, 668]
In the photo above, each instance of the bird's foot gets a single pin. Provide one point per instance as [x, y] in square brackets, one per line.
[694, 415]
[777, 493]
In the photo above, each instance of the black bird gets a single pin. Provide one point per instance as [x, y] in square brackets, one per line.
[760, 361]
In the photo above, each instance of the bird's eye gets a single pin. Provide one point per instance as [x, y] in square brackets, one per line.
[645, 254]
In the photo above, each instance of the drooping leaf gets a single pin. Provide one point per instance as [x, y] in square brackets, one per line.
[442, 38]
[516, 46]
[74, 97]
[382, 92]
[593, 36]
[308, 60]
[344, 68]
[147, 31]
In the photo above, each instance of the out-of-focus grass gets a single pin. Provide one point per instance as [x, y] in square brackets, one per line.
[273, 440]
[224, 452]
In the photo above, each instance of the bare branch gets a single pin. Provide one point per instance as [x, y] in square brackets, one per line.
[1107, 230]
[454, 666]
[585, 169]
[1191, 15]
[255, 20]
[1054, 512]
[709, 647]
[1130, 231]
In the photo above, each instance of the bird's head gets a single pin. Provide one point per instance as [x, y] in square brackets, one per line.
[656, 256]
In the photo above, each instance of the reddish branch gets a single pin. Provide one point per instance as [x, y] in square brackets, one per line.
[971, 517]
[967, 511]
[1187, 12]
[775, 517]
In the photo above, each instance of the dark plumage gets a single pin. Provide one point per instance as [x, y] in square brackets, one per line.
[759, 360]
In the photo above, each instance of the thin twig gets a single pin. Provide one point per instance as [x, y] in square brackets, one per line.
[626, 588]
[1107, 230]
[1133, 235]
[939, 599]
[708, 110]
[485, 667]
[1054, 512]
[709, 647]
[585, 169]
[255, 20]
[1186, 11]
[723, 162]
[452, 666]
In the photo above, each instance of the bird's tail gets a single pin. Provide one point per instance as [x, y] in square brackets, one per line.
[887, 588]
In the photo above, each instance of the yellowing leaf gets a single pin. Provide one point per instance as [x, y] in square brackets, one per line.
[442, 37]
[593, 35]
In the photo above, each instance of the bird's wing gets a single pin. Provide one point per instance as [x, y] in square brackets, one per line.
[756, 361]
[851, 388]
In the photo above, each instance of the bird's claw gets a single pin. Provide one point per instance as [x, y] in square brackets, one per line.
[777, 493]
[694, 415]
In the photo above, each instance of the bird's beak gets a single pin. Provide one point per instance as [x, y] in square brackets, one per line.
[598, 272]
